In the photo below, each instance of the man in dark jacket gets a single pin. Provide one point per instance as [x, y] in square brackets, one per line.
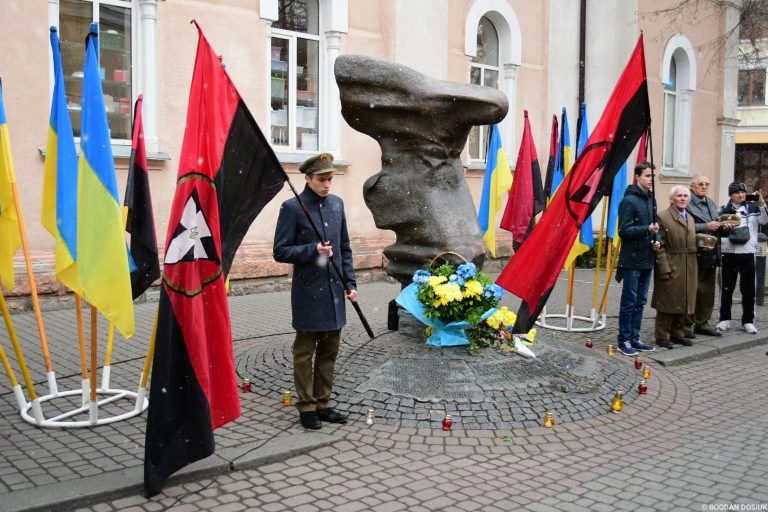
[317, 294]
[705, 214]
[637, 227]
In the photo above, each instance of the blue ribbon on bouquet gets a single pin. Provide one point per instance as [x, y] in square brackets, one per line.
[443, 335]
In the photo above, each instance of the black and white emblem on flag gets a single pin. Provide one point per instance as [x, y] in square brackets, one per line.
[192, 239]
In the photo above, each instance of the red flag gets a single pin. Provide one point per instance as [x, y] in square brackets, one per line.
[526, 199]
[140, 221]
[641, 154]
[554, 139]
[532, 272]
[227, 173]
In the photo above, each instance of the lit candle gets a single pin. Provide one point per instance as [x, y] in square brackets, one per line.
[447, 422]
[638, 362]
[646, 372]
[642, 388]
[246, 385]
[287, 398]
[549, 419]
[617, 402]
[610, 349]
[369, 417]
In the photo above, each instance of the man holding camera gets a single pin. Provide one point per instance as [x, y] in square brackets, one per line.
[739, 255]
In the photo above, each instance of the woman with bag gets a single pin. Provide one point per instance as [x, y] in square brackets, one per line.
[738, 251]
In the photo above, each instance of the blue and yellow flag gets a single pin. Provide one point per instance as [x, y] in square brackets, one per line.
[10, 234]
[102, 258]
[59, 207]
[585, 241]
[497, 182]
[617, 194]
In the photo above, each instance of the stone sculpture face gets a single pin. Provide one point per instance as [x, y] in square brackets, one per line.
[422, 126]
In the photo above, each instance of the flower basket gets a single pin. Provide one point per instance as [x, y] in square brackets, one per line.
[449, 300]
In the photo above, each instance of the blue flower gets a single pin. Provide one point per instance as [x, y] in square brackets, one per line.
[456, 279]
[467, 270]
[421, 276]
[493, 290]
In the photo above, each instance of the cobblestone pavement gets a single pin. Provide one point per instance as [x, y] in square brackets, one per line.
[697, 438]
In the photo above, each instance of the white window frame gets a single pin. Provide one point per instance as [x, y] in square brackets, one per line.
[483, 134]
[680, 48]
[144, 77]
[510, 36]
[293, 38]
[334, 21]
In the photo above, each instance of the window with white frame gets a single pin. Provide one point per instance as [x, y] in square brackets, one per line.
[294, 76]
[670, 106]
[484, 70]
[117, 58]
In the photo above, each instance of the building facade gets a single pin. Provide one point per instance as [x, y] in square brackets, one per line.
[280, 55]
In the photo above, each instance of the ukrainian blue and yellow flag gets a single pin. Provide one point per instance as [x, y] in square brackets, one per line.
[497, 182]
[617, 194]
[102, 258]
[10, 234]
[585, 241]
[59, 208]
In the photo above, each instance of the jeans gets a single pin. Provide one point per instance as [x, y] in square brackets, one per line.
[743, 267]
[634, 295]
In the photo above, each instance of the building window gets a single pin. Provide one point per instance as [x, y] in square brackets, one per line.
[116, 58]
[670, 106]
[294, 76]
[751, 87]
[484, 70]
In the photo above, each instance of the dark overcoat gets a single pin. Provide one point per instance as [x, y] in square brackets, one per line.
[317, 294]
[678, 257]
[635, 215]
[705, 210]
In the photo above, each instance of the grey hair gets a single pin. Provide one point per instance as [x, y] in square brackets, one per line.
[696, 177]
[673, 190]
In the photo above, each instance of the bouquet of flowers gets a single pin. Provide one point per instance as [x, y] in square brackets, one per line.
[449, 300]
[496, 331]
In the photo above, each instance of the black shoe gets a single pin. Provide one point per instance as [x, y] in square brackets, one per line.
[689, 334]
[310, 420]
[663, 343]
[681, 341]
[331, 416]
[707, 331]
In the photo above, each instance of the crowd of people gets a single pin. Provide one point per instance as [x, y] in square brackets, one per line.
[682, 248]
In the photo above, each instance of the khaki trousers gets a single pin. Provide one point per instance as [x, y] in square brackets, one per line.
[669, 325]
[705, 300]
[314, 380]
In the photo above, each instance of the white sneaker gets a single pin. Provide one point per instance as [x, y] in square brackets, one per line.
[750, 328]
[725, 325]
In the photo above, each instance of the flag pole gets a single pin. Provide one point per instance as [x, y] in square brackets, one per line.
[93, 409]
[142, 391]
[86, 383]
[52, 387]
[344, 281]
[36, 410]
[609, 273]
[17, 391]
[569, 296]
[596, 283]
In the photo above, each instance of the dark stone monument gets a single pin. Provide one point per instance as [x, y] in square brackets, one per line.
[422, 126]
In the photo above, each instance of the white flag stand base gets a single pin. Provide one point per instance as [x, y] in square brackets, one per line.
[90, 409]
[596, 323]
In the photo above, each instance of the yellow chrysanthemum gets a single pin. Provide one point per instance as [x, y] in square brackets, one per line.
[448, 292]
[472, 288]
[436, 280]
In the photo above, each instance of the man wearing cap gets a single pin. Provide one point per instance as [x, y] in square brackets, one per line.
[739, 256]
[317, 294]
[705, 214]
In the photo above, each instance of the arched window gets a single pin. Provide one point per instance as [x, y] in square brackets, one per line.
[493, 43]
[678, 76]
[295, 76]
[670, 105]
[484, 70]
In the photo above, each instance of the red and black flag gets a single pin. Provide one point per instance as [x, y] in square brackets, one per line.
[554, 138]
[139, 220]
[532, 272]
[526, 199]
[227, 174]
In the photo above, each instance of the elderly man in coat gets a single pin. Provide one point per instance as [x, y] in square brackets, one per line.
[317, 294]
[675, 278]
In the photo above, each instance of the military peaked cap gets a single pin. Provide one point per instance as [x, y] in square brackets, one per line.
[318, 164]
